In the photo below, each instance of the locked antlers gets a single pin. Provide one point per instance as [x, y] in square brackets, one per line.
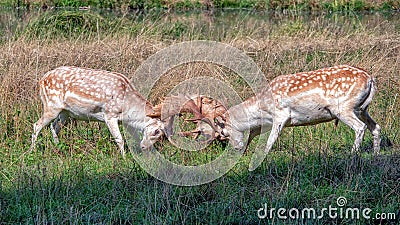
[205, 111]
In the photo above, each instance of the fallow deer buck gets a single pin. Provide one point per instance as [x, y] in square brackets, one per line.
[336, 93]
[95, 95]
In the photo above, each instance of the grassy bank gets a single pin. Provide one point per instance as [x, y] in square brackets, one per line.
[83, 180]
[308, 5]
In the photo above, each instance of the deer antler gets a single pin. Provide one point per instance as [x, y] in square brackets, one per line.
[204, 110]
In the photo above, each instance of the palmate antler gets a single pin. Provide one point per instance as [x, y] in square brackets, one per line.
[210, 109]
[204, 109]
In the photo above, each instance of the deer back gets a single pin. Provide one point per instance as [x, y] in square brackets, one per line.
[89, 94]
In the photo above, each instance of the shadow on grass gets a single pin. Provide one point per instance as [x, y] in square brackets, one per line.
[79, 191]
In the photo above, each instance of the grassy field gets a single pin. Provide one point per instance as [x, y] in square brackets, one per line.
[84, 180]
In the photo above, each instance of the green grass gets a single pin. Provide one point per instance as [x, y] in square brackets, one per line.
[84, 180]
[98, 187]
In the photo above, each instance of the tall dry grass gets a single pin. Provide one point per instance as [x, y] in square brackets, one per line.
[82, 179]
[287, 48]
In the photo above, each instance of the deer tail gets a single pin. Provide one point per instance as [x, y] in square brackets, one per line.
[372, 90]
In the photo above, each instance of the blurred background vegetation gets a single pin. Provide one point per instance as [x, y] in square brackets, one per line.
[312, 5]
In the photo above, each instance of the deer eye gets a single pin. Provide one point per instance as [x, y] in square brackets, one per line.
[156, 132]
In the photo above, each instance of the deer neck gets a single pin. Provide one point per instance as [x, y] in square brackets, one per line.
[135, 112]
[255, 112]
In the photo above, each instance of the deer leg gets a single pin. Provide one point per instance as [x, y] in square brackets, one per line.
[112, 125]
[276, 130]
[61, 120]
[43, 121]
[359, 127]
[259, 156]
[374, 128]
[253, 133]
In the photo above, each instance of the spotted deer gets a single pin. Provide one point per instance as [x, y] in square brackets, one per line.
[336, 93]
[95, 95]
